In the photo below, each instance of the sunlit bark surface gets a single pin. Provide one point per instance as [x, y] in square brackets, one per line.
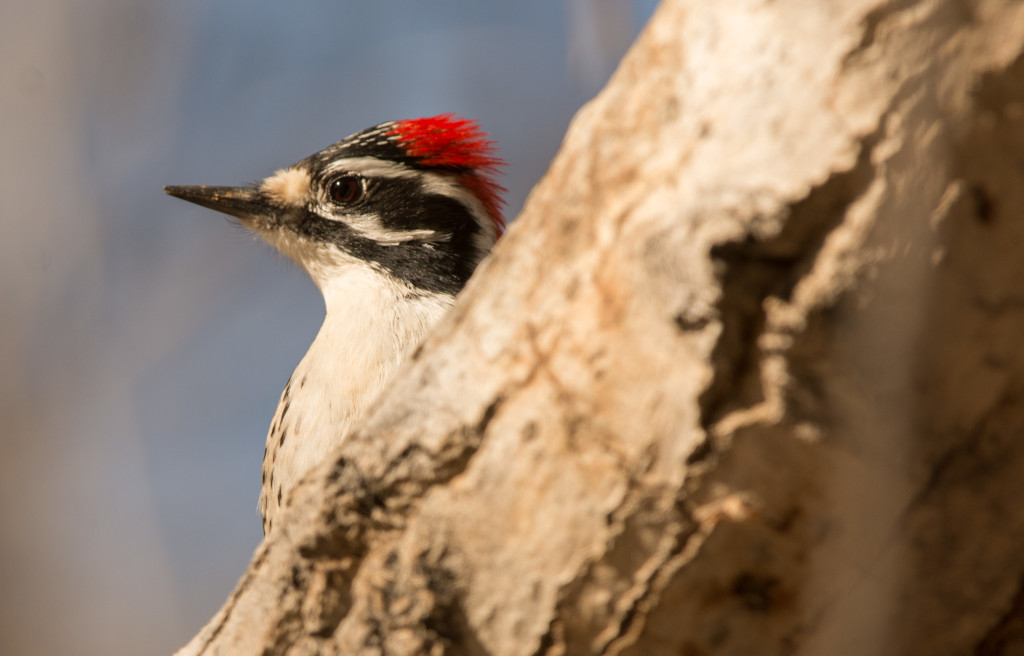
[745, 377]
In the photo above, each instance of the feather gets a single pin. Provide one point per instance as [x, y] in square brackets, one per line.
[450, 142]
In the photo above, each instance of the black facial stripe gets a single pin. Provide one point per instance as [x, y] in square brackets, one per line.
[401, 204]
[395, 204]
[439, 266]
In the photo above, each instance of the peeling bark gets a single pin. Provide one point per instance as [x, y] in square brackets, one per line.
[744, 377]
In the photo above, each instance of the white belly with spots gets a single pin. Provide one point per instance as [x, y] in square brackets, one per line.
[372, 323]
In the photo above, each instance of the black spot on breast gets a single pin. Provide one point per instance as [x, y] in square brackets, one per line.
[280, 491]
[283, 433]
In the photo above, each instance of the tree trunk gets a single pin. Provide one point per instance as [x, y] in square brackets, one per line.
[745, 377]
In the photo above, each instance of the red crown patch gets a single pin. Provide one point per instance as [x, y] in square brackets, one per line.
[448, 141]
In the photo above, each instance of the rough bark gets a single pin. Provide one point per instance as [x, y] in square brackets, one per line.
[745, 377]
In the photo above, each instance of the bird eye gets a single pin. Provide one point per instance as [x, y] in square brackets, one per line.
[346, 189]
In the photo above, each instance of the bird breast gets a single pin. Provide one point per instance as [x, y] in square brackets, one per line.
[373, 322]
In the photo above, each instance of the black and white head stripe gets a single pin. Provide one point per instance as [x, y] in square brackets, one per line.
[417, 199]
[444, 144]
[370, 199]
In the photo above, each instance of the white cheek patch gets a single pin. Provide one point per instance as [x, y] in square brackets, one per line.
[370, 228]
[288, 187]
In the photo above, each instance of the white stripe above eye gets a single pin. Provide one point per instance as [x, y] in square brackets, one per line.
[371, 167]
[431, 183]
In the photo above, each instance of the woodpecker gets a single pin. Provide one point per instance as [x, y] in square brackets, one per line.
[389, 223]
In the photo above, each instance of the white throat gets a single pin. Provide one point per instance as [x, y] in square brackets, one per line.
[373, 321]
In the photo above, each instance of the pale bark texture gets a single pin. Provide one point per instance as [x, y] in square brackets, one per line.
[745, 377]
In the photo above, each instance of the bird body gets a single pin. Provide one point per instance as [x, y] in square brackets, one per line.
[389, 223]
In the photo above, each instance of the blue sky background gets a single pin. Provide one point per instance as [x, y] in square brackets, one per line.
[144, 341]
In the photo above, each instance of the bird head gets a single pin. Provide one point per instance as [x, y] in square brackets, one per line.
[416, 199]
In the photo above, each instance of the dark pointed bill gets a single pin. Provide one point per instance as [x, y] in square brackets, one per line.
[237, 201]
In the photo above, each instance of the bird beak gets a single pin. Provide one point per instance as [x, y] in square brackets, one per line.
[241, 202]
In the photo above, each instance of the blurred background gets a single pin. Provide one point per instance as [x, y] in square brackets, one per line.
[144, 341]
